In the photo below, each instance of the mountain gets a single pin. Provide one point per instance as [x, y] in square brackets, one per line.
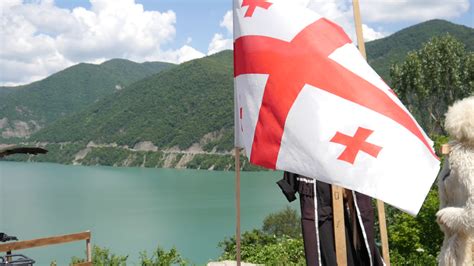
[175, 107]
[153, 121]
[183, 116]
[25, 109]
[382, 53]
[6, 90]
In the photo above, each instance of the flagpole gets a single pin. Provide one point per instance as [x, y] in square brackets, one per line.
[358, 27]
[380, 204]
[237, 203]
[338, 224]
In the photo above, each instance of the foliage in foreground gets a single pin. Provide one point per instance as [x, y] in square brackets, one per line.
[102, 257]
[412, 240]
[278, 243]
[415, 240]
[285, 222]
[160, 257]
[261, 248]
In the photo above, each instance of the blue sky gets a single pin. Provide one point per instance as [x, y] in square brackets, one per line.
[41, 37]
[198, 19]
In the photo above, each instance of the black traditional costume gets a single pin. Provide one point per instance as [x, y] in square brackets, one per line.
[319, 239]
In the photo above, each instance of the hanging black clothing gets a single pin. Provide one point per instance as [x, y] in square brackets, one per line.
[319, 239]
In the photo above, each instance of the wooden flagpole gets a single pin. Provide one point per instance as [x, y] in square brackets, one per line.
[237, 182]
[338, 221]
[380, 204]
[237, 204]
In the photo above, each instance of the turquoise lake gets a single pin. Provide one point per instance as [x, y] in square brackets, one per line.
[129, 210]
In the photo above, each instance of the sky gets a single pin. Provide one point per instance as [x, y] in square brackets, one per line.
[41, 37]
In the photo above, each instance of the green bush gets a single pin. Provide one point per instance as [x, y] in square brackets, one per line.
[161, 257]
[278, 243]
[412, 239]
[103, 257]
[283, 223]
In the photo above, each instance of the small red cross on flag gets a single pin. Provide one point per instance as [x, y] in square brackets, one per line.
[355, 144]
[303, 87]
[253, 4]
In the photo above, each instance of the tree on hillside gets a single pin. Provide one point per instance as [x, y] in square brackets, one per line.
[432, 78]
[285, 222]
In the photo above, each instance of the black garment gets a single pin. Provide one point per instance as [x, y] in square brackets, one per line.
[319, 241]
[4, 237]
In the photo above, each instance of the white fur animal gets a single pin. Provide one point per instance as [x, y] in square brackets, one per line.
[456, 188]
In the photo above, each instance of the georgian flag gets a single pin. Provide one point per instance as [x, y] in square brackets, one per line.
[307, 102]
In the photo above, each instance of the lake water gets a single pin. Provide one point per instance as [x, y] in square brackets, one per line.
[129, 210]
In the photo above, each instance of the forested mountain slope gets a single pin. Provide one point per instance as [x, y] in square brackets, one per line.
[25, 109]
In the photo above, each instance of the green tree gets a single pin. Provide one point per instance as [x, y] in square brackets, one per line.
[103, 257]
[261, 248]
[161, 257]
[286, 222]
[278, 243]
[432, 78]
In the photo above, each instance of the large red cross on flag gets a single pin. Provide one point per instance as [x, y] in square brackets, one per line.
[307, 102]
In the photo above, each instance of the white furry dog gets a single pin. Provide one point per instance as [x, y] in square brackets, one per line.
[456, 187]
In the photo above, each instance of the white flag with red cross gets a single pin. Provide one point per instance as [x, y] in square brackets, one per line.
[307, 102]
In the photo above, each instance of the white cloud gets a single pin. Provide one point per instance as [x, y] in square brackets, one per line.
[227, 22]
[391, 10]
[371, 34]
[341, 12]
[219, 43]
[373, 11]
[412, 10]
[181, 55]
[38, 38]
[8, 3]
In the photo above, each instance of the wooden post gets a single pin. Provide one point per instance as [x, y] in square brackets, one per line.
[339, 228]
[88, 249]
[383, 232]
[40, 242]
[53, 240]
[358, 28]
[9, 258]
[445, 149]
[380, 204]
[237, 203]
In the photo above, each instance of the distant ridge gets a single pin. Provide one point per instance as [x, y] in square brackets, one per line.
[24, 109]
[175, 107]
[382, 53]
